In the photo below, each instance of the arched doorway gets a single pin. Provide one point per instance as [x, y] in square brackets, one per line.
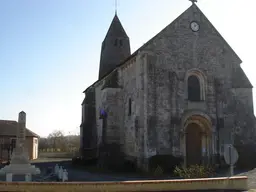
[197, 139]
[193, 144]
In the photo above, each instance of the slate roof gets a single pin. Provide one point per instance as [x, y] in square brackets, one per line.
[239, 79]
[111, 81]
[90, 97]
[9, 128]
[115, 47]
[116, 29]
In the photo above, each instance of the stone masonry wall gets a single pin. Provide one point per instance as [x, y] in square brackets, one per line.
[131, 80]
[156, 82]
[112, 102]
[98, 104]
[244, 120]
[171, 54]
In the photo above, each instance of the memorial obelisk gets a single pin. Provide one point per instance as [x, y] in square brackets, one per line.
[19, 164]
[19, 154]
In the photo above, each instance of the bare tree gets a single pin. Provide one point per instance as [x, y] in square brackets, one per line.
[57, 140]
[43, 144]
[73, 141]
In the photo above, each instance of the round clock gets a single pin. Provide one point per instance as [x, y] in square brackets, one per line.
[194, 26]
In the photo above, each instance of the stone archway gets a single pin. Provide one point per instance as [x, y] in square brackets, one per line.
[193, 144]
[197, 139]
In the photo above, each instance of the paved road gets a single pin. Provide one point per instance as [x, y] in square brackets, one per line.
[251, 178]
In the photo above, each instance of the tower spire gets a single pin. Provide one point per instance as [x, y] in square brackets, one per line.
[115, 47]
[193, 1]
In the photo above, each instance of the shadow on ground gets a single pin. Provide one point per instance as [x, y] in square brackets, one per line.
[81, 174]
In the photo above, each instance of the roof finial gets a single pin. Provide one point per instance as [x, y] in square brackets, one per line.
[115, 7]
[193, 1]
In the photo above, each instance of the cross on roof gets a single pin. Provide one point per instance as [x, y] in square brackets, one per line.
[193, 1]
[115, 6]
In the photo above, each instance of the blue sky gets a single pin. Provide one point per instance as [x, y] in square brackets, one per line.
[49, 50]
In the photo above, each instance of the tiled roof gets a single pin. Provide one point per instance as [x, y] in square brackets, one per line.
[9, 128]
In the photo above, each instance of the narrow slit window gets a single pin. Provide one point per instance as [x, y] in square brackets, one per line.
[130, 107]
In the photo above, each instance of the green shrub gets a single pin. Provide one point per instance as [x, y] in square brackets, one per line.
[194, 171]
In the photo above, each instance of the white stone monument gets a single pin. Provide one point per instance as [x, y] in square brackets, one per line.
[65, 175]
[60, 173]
[19, 164]
[56, 169]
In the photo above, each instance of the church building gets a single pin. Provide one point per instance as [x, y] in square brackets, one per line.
[183, 94]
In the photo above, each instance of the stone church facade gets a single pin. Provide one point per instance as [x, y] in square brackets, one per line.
[183, 93]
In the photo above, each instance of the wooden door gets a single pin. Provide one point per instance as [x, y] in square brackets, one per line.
[193, 144]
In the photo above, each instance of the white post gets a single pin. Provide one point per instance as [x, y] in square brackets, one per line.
[28, 177]
[9, 177]
[231, 170]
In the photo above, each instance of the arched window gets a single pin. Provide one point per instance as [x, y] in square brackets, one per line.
[194, 88]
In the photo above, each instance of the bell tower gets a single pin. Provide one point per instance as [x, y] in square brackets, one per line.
[115, 48]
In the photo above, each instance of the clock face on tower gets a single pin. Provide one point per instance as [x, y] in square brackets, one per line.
[194, 26]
